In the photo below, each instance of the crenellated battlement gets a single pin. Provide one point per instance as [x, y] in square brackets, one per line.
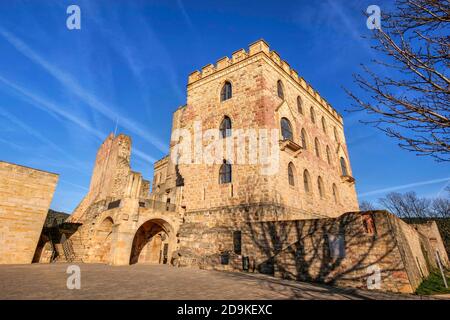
[261, 47]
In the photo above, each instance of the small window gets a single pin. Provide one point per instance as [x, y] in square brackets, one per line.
[225, 127]
[335, 194]
[291, 177]
[304, 141]
[237, 242]
[320, 187]
[286, 129]
[306, 181]
[299, 105]
[225, 173]
[280, 89]
[328, 155]
[313, 116]
[317, 147]
[344, 167]
[335, 134]
[324, 125]
[226, 92]
[336, 246]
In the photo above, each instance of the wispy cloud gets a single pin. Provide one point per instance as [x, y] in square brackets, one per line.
[55, 110]
[404, 186]
[32, 132]
[51, 108]
[73, 87]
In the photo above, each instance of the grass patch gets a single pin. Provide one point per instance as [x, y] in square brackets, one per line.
[434, 284]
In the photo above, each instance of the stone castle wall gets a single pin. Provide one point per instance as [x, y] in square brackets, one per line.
[304, 250]
[25, 198]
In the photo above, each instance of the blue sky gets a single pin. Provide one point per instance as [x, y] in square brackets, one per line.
[62, 91]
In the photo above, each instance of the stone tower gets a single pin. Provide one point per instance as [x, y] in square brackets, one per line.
[265, 91]
[307, 175]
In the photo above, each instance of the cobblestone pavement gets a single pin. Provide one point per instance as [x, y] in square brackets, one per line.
[48, 281]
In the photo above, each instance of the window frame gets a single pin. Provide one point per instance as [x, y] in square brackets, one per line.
[225, 173]
[286, 121]
[225, 93]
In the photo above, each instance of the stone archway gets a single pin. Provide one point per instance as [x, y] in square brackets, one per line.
[103, 241]
[44, 250]
[152, 243]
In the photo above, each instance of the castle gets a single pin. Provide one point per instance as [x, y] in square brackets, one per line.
[258, 178]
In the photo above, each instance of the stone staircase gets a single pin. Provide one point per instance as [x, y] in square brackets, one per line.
[69, 249]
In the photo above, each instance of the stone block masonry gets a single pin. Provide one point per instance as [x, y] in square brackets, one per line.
[25, 197]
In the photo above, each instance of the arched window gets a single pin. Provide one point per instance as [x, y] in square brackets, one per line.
[320, 187]
[304, 141]
[299, 105]
[324, 125]
[291, 177]
[344, 167]
[317, 147]
[280, 90]
[306, 182]
[335, 134]
[328, 155]
[225, 173]
[226, 92]
[225, 127]
[313, 116]
[335, 194]
[286, 129]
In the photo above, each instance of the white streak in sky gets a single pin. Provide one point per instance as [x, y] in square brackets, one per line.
[404, 186]
[73, 86]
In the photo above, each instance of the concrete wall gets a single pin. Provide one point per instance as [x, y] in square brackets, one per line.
[25, 198]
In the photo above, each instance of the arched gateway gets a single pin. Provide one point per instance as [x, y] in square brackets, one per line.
[151, 243]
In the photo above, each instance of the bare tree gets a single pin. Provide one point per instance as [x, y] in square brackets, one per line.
[440, 207]
[408, 97]
[366, 206]
[407, 205]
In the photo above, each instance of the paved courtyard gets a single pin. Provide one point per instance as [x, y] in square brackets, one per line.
[48, 281]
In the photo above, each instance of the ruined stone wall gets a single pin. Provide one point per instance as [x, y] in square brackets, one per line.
[112, 177]
[25, 198]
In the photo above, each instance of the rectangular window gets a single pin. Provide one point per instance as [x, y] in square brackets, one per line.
[114, 204]
[336, 245]
[237, 241]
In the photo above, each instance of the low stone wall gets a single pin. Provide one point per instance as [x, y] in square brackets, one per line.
[25, 198]
[348, 251]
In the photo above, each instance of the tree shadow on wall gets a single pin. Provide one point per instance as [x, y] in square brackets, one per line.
[331, 251]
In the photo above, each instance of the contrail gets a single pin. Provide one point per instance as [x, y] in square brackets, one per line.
[404, 186]
[73, 86]
[58, 112]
